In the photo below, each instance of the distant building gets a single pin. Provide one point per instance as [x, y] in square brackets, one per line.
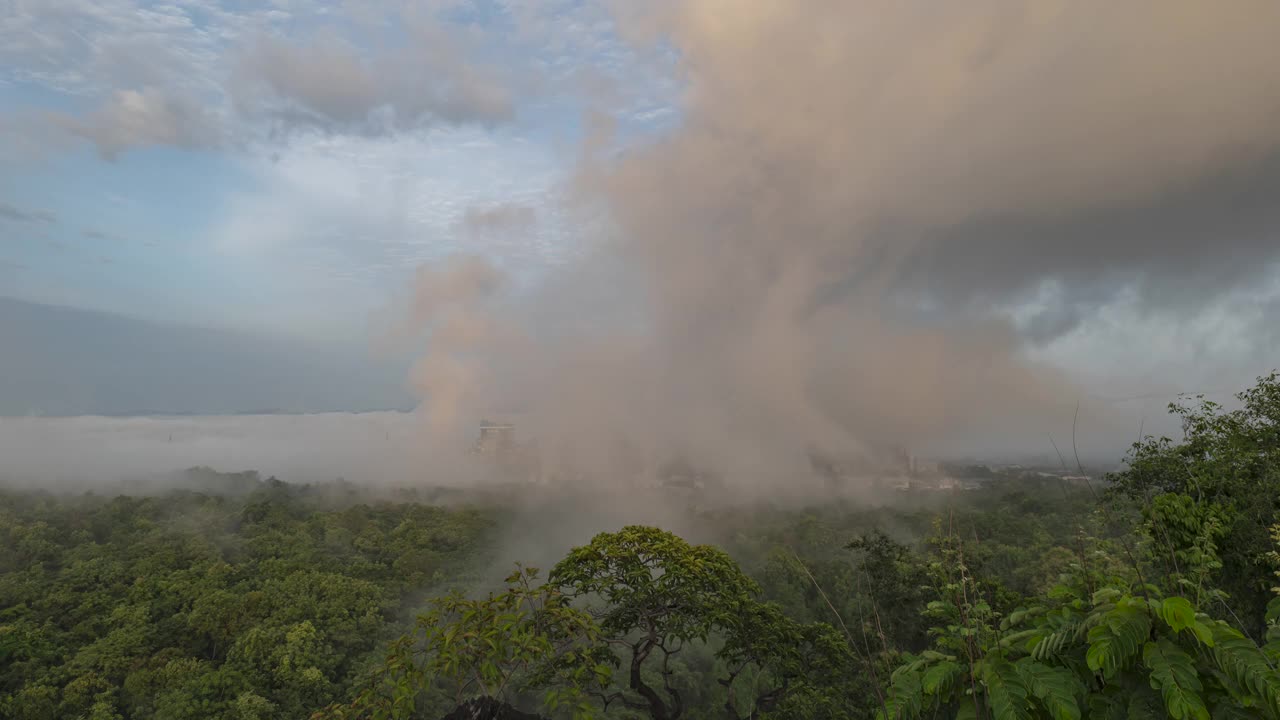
[497, 442]
[922, 466]
[495, 438]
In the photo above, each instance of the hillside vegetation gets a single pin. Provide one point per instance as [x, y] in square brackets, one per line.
[1152, 594]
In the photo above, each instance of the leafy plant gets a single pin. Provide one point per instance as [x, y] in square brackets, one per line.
[526, 638]
[1224, 478]
[1110, 654]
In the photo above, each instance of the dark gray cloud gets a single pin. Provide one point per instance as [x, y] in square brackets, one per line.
[16, 214]
[1178, 250]
[827, 247]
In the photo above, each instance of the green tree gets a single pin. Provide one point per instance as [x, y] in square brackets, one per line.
[255, 603]
[1122, 650]
[528, 638]
[1228, 465]
[655, 596]
[792, 667]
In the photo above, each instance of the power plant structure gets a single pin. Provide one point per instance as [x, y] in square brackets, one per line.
[495, 438]
[497, 442]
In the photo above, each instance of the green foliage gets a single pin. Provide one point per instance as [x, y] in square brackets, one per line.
[1251, 677]
[1174, 674]
[1057, 689]
[272, 600]
[654, 595]
[651, 580]
[526, 638]
[1211, 498]
[1132, 646]
[264, 602]
[790, 664]
[1116, 633]
[1026, 599]
[1007, 697]
[892, 582]
[1130, 642]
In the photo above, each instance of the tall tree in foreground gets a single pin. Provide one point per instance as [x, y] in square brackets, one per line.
[655, 595]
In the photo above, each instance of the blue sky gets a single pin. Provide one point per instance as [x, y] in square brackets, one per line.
[282, 217]
[1083, 187]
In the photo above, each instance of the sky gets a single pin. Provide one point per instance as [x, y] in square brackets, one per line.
[856, 221]
[281, 166]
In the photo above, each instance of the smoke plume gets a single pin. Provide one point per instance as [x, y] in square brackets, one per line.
[822, 252]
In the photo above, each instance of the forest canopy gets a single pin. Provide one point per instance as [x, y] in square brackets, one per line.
[1149, 593]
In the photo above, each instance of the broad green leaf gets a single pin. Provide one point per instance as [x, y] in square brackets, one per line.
[1056, 689]
[1116, 639]
[1202, 632]
[1247, 666]
[1177, 612]
[1006, 693]
[940, 678]
[1173, 673]
[905, 699]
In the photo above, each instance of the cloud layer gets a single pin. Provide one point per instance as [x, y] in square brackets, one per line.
[210, 74]
[854, 223]
[329, 84]
[829, 248]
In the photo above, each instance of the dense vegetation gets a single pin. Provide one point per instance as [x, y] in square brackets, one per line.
[1152, 594]
[261, 601]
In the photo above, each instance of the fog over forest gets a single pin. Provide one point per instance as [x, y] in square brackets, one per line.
[639, 360]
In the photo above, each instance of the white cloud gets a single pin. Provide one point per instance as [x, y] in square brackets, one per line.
[335, 224]
[328, 83]
[195, 72]
[91, 48]
[150, 116]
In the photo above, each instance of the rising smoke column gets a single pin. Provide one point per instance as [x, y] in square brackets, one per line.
[823, 250]
[452, 304]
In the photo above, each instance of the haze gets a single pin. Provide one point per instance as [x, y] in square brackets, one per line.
[732, 231]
